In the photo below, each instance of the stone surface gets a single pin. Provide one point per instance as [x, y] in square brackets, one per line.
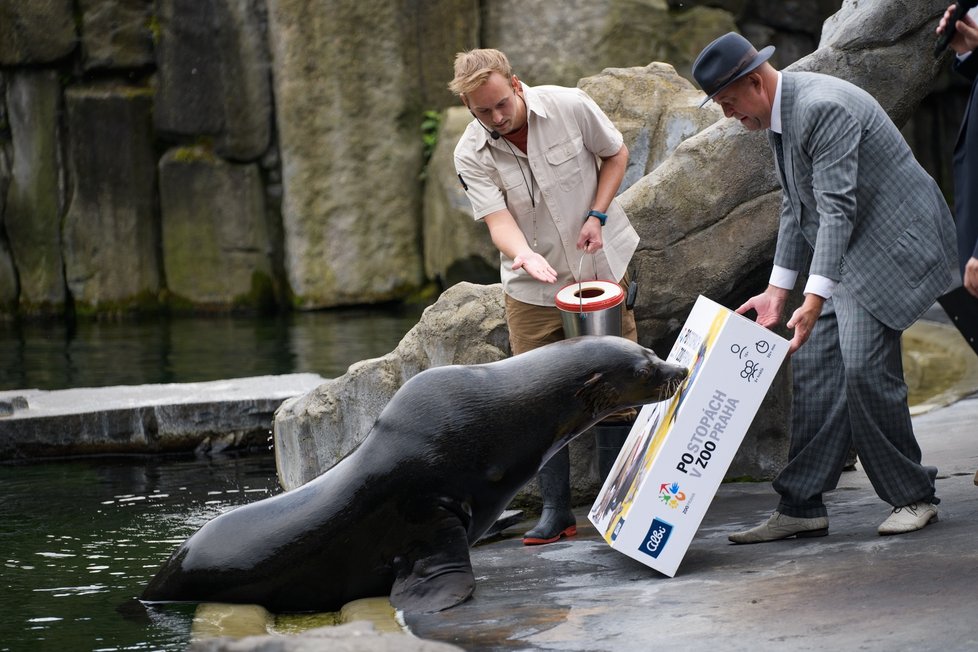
[792, 26]
[212, 64]
[359, 636]
[348, 123]
[435, 32]
[8, 275]
[349, 109]
[111, 231]
[32, 217]
[35, 31]
[207, 417]
[8, 280]
[246, 89]
[654, 108]
[585, 36]
[216, 249]
[187, 69]
[116, 34]
[884, 48]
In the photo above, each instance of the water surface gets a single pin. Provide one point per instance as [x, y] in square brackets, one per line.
[55, 355]
[79, 540]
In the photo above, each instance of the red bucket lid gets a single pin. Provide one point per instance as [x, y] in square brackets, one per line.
[589, 296]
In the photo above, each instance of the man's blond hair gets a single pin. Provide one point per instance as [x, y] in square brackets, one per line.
[473, 68]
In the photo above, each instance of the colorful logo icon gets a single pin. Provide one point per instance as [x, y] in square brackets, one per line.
[671, 495]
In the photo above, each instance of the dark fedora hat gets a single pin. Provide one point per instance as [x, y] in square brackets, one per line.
[726, 60]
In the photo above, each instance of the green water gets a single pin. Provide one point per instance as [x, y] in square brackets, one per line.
[79, 539]
[54, 355]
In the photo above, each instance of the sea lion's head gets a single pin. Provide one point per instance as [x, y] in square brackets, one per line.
[625, 374]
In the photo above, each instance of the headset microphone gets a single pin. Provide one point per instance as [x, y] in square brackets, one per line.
[492, 134]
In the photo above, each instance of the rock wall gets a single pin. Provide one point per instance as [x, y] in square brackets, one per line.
[328, 118]
[323, 114]
[110, 228]
[215, 240]
[35, 194]
[350, 163]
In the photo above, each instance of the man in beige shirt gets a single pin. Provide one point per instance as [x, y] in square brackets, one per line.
[541, 166]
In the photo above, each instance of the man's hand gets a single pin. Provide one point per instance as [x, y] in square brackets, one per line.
[589, 238]
[966, 32]
[536, 266]
[971, 276]
[769, 305]
[509, 239]
[803, 321]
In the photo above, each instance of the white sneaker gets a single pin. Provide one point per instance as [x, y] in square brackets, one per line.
[909, 518]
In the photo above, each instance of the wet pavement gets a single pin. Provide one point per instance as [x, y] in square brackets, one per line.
[851, 590]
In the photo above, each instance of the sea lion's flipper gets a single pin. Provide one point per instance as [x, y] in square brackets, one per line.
[436, 575]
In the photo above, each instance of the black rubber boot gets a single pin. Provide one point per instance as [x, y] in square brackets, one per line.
[556, 520]
[608, 440]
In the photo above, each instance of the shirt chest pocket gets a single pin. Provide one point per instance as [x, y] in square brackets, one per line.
[565, 162]
[515, 186]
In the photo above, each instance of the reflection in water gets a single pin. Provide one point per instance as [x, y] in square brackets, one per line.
[50, 355]
[80, 539]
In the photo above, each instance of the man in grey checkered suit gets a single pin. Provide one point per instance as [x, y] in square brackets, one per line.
[875, 236]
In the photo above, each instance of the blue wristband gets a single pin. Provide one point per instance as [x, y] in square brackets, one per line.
[598, 214]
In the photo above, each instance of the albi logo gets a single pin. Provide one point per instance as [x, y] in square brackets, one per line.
[656, 539]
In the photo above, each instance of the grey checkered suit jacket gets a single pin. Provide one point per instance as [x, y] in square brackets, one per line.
[856, 203]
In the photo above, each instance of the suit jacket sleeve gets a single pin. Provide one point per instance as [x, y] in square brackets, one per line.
[831, 137]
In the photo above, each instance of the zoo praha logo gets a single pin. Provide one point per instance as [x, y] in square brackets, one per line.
[671, 495]
[656, 538]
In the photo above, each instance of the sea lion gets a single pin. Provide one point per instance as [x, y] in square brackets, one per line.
[397, 515]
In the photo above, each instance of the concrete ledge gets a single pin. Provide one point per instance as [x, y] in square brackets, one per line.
[211, 416]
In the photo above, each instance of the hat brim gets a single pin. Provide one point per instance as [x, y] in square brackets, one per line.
[762, 55]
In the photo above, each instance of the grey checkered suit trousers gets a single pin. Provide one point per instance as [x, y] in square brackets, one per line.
[849, 390]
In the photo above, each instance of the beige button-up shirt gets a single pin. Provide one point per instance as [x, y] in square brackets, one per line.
[568, 133]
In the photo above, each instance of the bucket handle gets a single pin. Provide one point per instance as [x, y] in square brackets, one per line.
[580, 279]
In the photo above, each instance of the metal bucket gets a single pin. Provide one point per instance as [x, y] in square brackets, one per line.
[591, 308]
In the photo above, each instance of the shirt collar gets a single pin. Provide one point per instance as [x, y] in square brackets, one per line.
[533, 103]
[776, 108]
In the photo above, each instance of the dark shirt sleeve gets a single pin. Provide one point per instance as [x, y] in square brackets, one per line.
[968, 67]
